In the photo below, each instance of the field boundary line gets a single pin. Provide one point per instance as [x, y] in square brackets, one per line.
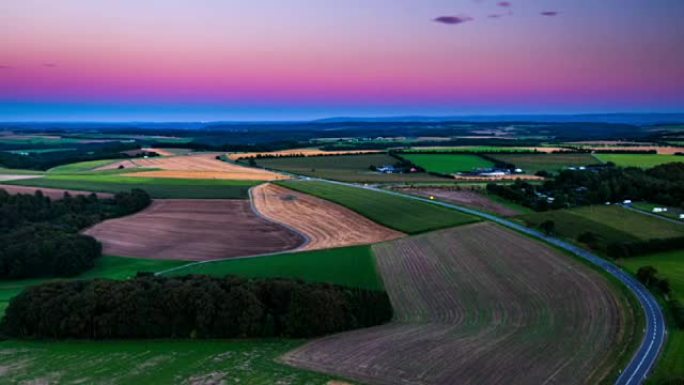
[655, 334]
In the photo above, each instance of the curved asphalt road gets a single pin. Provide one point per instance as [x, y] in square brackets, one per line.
[655, 332]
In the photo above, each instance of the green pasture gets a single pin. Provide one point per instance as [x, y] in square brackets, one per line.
[639, 160]
[348, 266]
[152, 362]
[448, 164]
[396, 212]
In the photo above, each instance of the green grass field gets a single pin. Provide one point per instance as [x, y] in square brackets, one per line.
[41, 150]
[81, 166]
[399, 213]
[205, 362]
[106, 267]
[639, 160]
[672, 212]
[670, 265]
[347, 168]
[532, 163]
[157, 187]
[14, 171]
[348, 266]
[610, 223]
[448, 164]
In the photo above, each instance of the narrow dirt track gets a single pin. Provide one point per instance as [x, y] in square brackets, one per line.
[479, 304]
[325, 224]
[193, 230]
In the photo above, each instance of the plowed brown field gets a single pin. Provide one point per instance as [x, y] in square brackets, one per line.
[52, 193]
[461, 197]
[480, 305]
[325, 224]
[193, 230]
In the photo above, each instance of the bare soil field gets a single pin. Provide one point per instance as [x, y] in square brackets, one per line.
[466, 198]
[325, 224]
[193, 230]
[480, 304]
[51, 193]
[204, 166]
[298, 151]
[160, 151]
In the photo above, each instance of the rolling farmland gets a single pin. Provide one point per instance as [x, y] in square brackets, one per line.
[352, 266]
[161, 188]
[324, 223]
[481, 305]
[448, 164]
[49, 192]
[399, 213]
[193, 230]
[639, 160]
[532, 163]
[348, 168]
[468, 198]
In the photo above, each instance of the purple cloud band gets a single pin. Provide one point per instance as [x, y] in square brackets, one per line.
[452, 20]
[549, 13]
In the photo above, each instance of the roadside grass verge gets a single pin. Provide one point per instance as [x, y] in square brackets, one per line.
[249, 362]
[105, 267]
[670, 265]
[396, 212]
[639, 160]
[159, 188]
[448, 163]
[347, 266]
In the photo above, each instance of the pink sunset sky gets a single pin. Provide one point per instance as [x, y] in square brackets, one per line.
[301, 59]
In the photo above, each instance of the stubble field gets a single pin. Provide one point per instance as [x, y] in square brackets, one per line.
[481, 305]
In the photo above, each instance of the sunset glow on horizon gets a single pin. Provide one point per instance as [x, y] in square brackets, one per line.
[299, 59]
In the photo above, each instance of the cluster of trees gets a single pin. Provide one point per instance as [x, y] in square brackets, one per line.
[662, 184]
[191, 307]
[39, 237]
[47, 160]
[648, 275]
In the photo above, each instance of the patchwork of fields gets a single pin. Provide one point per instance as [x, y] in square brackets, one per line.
[347, 168]
[193, 230]
[639, 160]
[399, 213]
[531, 163]
[468, 198]
[481, 305]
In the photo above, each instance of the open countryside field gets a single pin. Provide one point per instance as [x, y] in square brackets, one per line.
[670, 265]
[208, 362]
[469, 198]
[352, 266]
[639, 160]
[532, 163]
[298, 152]
[448, 164]
[324, 223]
[162, 188]
[105, 267]
[347, 168]
[486, 149]
[612, 222]
[399, 213]
[202, 166]
[482, 305]
[193, 230]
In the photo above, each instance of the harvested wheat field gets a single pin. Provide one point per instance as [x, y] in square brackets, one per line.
[204, 166]
[324, 223]
[52, 193]
[458, 196]
[193, 230]
[298, 152]
[480, 304]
